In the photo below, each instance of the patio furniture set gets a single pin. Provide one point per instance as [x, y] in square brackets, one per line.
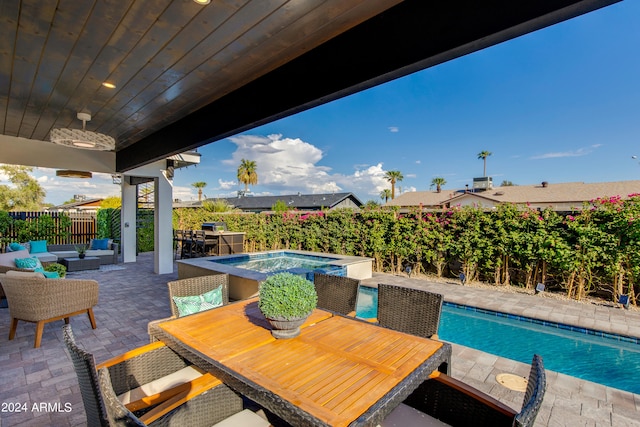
[213, 239]
[222, 365]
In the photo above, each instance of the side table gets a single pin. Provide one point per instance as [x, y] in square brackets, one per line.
[78, 264]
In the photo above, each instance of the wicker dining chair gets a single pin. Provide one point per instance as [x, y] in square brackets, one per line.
[129, 371]
[458, 404]
[336, 293]
[414, 311]
[189, 287]
[197, 286]
[206, 409]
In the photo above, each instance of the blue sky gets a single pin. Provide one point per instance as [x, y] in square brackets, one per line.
[558, 105]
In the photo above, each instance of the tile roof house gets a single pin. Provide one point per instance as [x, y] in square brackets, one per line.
[302, 202]
[80, 205]
[567, 196]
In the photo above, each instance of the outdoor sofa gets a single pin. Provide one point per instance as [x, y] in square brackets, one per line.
[105, 249]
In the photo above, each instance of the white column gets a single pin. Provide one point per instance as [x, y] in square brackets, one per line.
[163, 225]
[128, 221]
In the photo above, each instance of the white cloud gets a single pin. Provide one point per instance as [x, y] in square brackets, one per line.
[574, 153]
[418, 162]
[286, 165]
[226, 185]
[394, 129]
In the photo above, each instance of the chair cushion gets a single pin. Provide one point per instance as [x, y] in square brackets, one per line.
[197, 303]
[99, 252]
[38, 246]
[244, 418]
[170, 381]
[406, 416]
[15, 273]
[46, 257]
[65, 254]
[8, 259]
[30, 263]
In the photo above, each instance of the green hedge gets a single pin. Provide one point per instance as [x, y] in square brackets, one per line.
[596, 250]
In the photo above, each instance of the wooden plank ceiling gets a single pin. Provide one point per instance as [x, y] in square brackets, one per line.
[187, 75]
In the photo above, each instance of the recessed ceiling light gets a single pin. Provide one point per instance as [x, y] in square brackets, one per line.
[109, 85]
[202, 2]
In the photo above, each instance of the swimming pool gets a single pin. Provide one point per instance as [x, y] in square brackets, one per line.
[283, 261]
[247, 270]
[601, 359]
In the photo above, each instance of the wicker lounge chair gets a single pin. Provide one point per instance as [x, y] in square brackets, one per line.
[414, 311]
[146, 365]
[336, 293]
[459, 404]
[40, 301]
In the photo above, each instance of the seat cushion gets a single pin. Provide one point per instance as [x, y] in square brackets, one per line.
[8, 259]
[175, 379]
[65, 254]
[244, 418]
[45, 257]
[99, 252]
[406, 416]
[26, 274]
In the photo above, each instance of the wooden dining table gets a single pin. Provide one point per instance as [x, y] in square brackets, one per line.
[339, 371]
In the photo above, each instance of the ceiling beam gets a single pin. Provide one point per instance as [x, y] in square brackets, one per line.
[409, 37]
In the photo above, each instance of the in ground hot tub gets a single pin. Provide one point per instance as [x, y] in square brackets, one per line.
[247, 270]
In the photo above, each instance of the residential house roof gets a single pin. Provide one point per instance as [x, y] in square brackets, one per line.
[295, 201]
[560, 196]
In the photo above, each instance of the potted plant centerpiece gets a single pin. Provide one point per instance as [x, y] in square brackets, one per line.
[286, 300]
[82, 251]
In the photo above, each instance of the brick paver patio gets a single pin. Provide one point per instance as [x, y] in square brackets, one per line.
[43, 383]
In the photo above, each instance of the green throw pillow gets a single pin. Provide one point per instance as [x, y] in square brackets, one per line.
[28, 263]
[197, 303]
[48, 274]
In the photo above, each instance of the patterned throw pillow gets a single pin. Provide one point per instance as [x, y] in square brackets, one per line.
[28, 263]
[198, 303]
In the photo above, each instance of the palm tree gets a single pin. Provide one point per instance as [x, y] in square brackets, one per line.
[247, 173]
[483, 155]
[393, 177]
[438, 182]
[199, 185]
[385, 195]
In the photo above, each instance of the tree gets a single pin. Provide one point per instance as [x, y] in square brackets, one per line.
[199, 185]
[385, 195]
[393, 177]
[506, 183]
[247, 173]
[113, 202]
[438, 183]
[483, 155]
[26, 195]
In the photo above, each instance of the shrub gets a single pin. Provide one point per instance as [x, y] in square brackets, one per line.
[287, 296]
[58, 268]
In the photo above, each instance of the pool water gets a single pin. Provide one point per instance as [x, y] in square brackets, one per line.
[598, 359]
[282, 262]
